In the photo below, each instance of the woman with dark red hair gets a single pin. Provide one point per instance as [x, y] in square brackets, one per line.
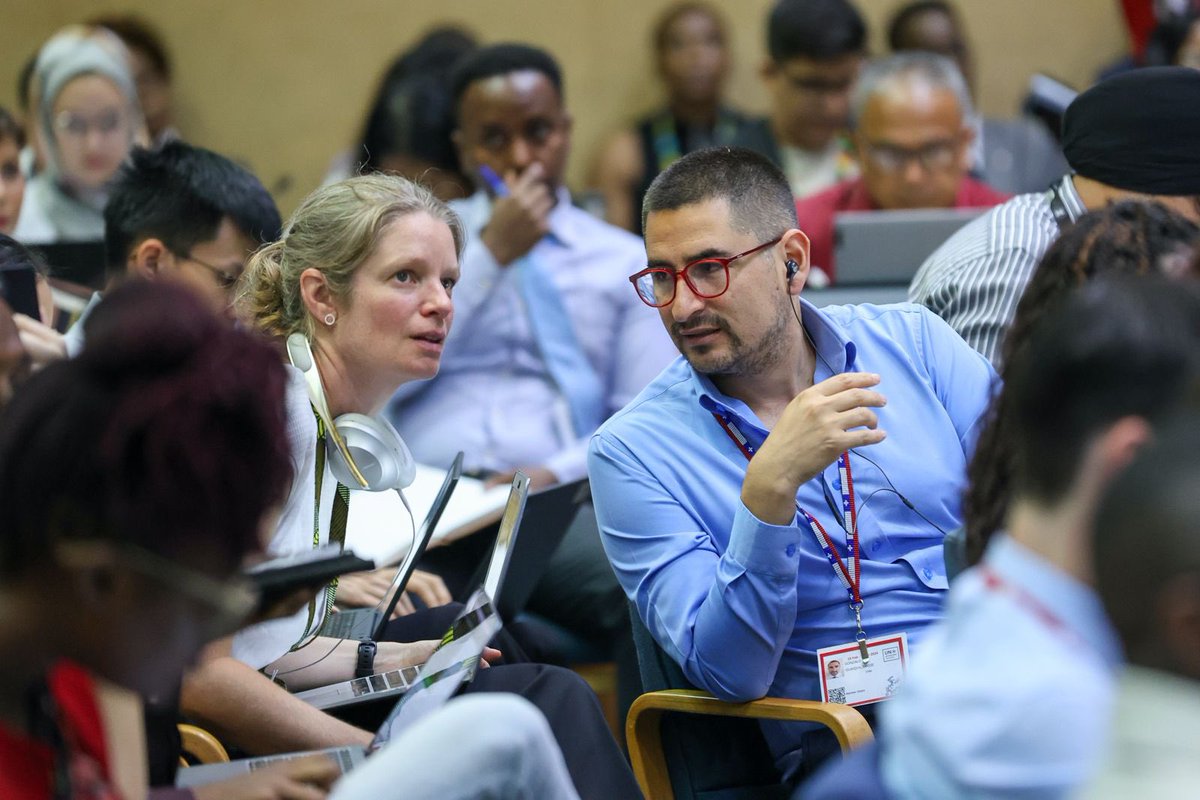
[134, 480]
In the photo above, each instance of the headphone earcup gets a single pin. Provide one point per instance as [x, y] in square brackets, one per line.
[381, 455]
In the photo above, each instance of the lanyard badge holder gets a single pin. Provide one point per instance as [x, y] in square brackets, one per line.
[848, 574]
[855, 679]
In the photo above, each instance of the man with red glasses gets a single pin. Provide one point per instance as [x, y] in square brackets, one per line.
[776, 499]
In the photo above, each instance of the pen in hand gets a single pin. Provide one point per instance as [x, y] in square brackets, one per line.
[520, 213]
[495, 182]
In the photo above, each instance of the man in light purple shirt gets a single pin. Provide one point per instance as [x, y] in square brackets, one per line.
[539, 277]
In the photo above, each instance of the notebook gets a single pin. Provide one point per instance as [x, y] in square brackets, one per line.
[368, 623]
[392, 682]
[474, 505]
[451, 665]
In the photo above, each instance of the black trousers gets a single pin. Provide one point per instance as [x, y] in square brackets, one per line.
[578, 601]
[597, 766]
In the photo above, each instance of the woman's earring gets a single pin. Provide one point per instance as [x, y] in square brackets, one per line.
[330, 319]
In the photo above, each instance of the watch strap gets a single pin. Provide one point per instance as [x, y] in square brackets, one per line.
[365, 666]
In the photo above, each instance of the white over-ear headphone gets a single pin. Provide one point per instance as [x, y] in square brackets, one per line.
[368, 452]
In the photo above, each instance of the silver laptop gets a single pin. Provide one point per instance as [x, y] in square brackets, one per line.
[517, 566]
[879, 248]
[368, 623]
[397, 681]
[451, 665]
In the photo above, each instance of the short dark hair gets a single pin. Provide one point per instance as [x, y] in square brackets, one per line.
[673, 13]
[168, 432]
[1119, 346]
[140, 35]
[760, 199]
[1146, 536]
[179, 193]
[502, 59]
[898, 26]
[820, 30]
[1127, 238]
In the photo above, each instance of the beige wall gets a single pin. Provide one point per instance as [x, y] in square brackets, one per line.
[283, 84]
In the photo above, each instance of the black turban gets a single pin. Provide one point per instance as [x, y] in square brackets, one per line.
[1138, 131]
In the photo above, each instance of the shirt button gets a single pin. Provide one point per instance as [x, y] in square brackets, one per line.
[875, 547]
[928, 573]
[791, 550]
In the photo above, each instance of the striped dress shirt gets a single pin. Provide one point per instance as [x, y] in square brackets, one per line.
[976, 278]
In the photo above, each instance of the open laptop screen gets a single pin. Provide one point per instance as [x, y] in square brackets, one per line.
[453, 663]
[504, 539]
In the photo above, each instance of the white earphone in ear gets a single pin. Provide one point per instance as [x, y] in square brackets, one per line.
[368, 453]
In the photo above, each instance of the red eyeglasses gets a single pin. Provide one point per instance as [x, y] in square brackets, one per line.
[706, 277]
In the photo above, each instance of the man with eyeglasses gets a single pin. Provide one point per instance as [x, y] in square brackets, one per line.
[776, 499]
[815, 50]
[976, 278]
[911, 115]
[179, 213]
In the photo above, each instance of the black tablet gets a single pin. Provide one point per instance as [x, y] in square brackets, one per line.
[282, 576]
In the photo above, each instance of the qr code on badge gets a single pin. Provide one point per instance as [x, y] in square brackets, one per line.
[837, 695]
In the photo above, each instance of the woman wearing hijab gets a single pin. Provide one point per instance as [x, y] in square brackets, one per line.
[86, 118]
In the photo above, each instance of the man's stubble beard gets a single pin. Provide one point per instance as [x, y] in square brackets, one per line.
[742, 359]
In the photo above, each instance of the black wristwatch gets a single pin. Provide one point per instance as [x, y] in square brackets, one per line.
[366, 659]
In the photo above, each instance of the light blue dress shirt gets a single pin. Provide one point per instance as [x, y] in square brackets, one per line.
[999, 701]
[743, 605]
[493, 397]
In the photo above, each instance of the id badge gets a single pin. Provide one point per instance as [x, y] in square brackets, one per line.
[846, 678]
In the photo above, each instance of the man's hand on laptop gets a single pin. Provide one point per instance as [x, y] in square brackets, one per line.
[308, 778]
[815, 427]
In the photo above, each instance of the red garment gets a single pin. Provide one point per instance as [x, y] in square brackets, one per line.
[816, 212]
[27, 765]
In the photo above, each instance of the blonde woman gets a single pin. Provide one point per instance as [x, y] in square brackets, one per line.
[365, 272]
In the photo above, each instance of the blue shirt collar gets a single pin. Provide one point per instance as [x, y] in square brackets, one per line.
[832, 348]
[1073, 602]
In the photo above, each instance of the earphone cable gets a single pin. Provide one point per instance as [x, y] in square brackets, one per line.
[395, 585]
[891, 484]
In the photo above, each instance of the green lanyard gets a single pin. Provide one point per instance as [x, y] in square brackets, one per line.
[665, 137]
[337, 533]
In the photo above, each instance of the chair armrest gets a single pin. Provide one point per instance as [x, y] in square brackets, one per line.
[201, 745]
[643, 726]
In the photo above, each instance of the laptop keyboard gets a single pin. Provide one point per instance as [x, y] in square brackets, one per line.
[341, 755]
[395, 679]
